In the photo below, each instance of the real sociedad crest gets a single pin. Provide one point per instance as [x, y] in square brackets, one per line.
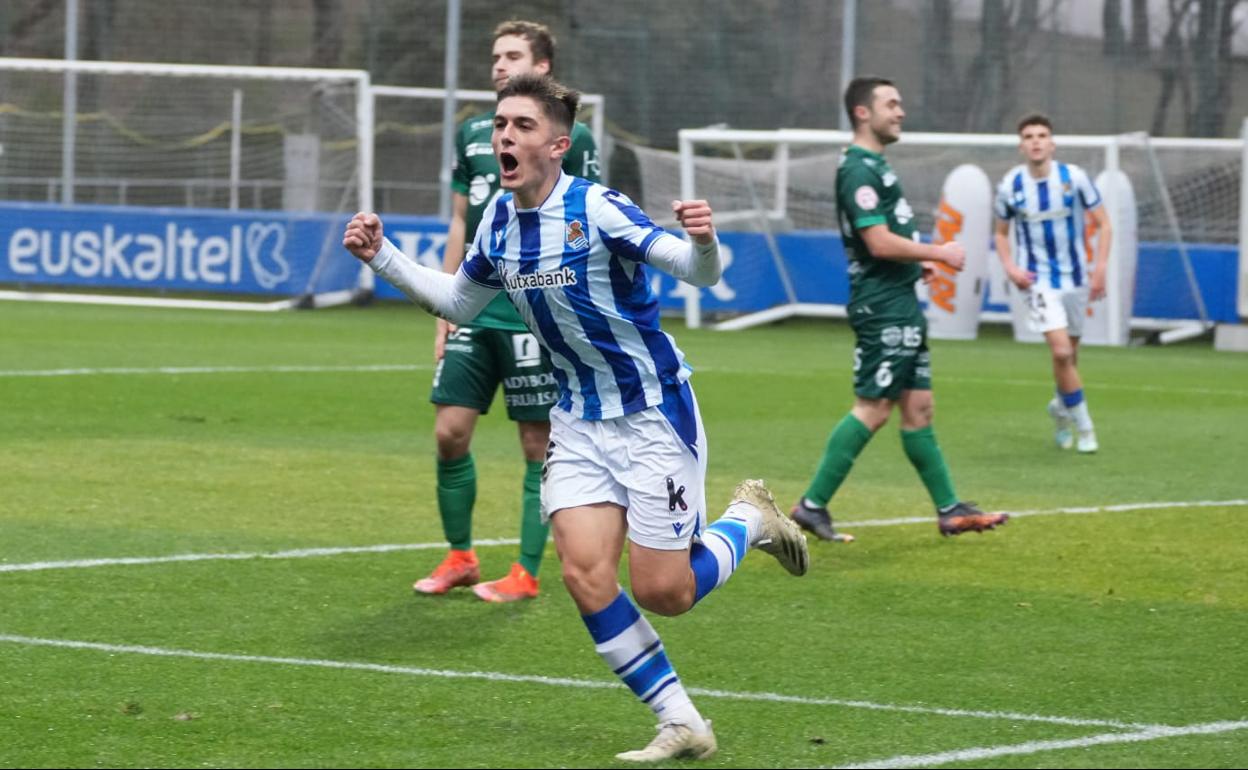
[575, 235]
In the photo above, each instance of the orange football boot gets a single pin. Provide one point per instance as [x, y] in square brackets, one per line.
[459, 568]
[518, 584]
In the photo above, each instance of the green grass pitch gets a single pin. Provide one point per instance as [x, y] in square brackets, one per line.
[1112, 638]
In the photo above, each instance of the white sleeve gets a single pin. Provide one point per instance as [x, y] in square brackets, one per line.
[1003, 206]
[628, 233]
[689, 261]
[1088, 194]
[624, 228]
[457, 298]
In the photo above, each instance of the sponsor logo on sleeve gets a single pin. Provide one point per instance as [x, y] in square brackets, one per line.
[866, 197]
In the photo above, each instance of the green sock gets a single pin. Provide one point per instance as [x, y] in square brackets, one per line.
[532, 530]
[844, 445]
[457, 491]
[927, 459]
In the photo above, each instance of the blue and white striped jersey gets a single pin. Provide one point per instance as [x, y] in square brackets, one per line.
[573, 267]
[1049, 219]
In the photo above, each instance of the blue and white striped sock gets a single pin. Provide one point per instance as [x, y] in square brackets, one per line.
[1077, 408]
[722, 548]
[633, 650]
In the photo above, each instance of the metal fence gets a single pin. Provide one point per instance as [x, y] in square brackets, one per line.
[972, 65]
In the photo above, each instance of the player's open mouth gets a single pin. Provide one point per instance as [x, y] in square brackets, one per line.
[508, 162]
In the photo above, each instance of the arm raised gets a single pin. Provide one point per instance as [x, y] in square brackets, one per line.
[457, 298]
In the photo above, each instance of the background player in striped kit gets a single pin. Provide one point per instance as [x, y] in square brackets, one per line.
[1049, 202]
[493, 349]
[627, 456]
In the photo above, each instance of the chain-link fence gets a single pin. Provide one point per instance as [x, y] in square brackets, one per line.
[1113, 66]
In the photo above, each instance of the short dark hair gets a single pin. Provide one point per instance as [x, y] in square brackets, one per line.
[861, 92]
[541, 40]
[559, 102]
[1035, 119]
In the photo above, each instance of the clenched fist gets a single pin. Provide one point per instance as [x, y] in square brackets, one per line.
[363, 237]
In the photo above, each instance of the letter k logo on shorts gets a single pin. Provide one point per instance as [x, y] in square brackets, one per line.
[675, 496]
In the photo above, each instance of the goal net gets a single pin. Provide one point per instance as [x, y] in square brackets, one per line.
[780, 186]
[410, 176]
[290, 147]
[1188, 211]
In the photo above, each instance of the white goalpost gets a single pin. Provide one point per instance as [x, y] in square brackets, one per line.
[206, 179]
[191, 142]
[1234, 336]
[593, 106]
[410, 176]
[1180, 191]
[1242, 297]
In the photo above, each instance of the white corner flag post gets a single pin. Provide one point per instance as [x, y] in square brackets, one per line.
[955, 299]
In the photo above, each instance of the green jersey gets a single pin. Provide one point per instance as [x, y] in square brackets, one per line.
[476, 176]
[868, 194]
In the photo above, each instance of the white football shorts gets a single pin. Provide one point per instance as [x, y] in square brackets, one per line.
[652, 463]
[1050, 309]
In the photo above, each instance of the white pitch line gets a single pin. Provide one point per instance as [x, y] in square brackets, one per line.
[1034, 747]
[1102, 386]
[294, 369]
[1074, 510]
[303, 553]
[298, 553]
[494, 676]
[1010, 381]
[1013, 716]
[310, 368]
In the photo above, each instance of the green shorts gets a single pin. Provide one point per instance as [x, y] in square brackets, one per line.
[479, 359]
[891, 356]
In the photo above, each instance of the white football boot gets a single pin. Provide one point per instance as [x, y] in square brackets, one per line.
[1062, 433]
[779, 535]
[674, 740]
[1087, 442]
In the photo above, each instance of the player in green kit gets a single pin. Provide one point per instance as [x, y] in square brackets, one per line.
[496, 348]
[892, 367]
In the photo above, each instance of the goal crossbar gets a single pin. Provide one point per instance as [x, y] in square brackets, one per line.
[781, 140]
